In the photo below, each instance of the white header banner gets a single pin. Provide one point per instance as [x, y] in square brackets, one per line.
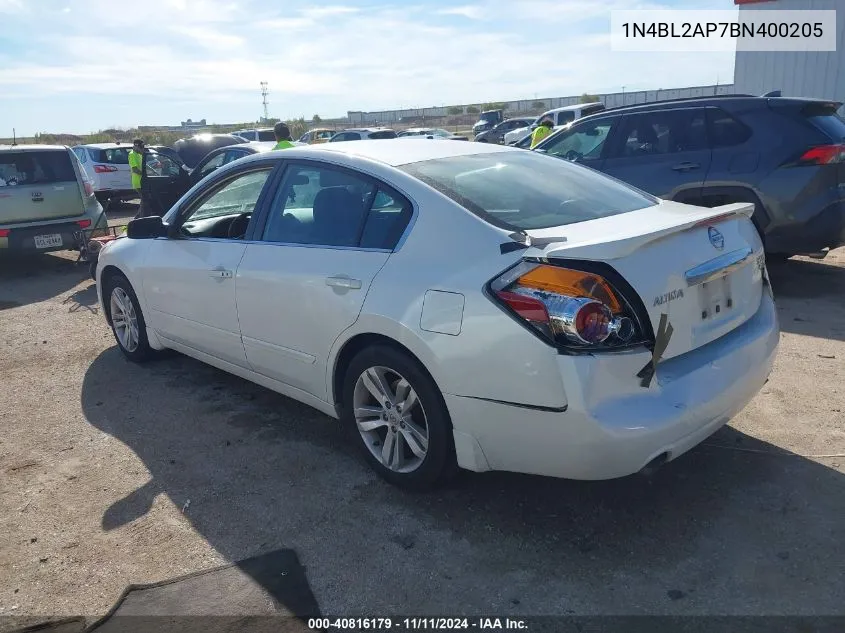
[721, 31]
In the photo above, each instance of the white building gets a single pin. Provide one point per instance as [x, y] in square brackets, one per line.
[795, 74]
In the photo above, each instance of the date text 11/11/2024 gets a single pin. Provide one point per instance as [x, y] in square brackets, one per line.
[417, 624]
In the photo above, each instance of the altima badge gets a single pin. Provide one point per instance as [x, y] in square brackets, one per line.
[716, 238]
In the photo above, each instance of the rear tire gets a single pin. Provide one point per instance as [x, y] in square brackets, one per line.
[399, 418]
[127, 320]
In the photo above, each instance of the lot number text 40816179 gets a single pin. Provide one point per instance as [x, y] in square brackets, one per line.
[417, 624]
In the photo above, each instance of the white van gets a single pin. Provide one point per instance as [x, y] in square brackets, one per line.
[560, 116]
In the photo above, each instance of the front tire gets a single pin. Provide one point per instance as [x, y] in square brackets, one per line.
[127, 320]
[400, 418]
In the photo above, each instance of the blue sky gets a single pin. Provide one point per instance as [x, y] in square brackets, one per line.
[83, 65]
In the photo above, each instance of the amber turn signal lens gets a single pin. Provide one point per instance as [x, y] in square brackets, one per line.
[572, 283]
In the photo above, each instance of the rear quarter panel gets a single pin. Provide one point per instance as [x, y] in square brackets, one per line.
[449, 249]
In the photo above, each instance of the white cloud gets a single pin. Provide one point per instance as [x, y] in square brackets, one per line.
[210, 55]
[325, 12]
[471, 12]
[11, 6]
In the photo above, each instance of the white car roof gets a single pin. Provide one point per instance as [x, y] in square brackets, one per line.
[577, 106]
[30, 148]
[399, 151]
[261, 146]
[105, 145]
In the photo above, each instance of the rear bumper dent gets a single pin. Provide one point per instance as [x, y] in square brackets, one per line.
[613, 427]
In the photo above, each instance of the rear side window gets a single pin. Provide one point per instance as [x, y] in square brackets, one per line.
[383, 134]
[266, 135]
[527, 190]
[36, 168]
[724, 130]
[824, 116]
[389, 215]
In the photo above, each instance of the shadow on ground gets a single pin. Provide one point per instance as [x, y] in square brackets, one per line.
[33, 278]
[810, 296]
[720, 530]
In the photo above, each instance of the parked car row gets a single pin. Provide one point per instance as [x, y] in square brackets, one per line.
[786, 156]
[429, 294]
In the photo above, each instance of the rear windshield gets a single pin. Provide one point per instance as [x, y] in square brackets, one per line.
[266, 135]
[526, 190]
[111, 155]
[384, 134]
[35, 168]
[489, 116]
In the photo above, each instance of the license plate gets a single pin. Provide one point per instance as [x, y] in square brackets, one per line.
[48, 241]
[715, 298]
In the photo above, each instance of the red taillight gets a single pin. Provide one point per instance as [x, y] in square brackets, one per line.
[528, 308]
[84, 224]
[104, 169]
[823, 155]
[4, 232]
[567, 306]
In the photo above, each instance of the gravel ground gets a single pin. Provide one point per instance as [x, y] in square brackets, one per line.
[114, 473]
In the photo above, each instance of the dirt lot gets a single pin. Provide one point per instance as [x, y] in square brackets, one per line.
[114, 473]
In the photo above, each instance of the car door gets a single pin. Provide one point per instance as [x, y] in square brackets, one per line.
[303, 280]
[664, 152]
[209, 164]
[165, 179]
[584, 142]
[189, 278]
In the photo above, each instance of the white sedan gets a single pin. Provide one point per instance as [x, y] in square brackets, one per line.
[460, 304]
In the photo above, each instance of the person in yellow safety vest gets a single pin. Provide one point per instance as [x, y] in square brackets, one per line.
[136, 162]
[283, 139]
[541, 132]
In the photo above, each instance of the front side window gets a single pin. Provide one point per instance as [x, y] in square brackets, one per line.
[527, 190]
[583, 142]
[663, 132]
[160, 165]
[565, 117]
[236, 197]
[210, 165]
[319, 206]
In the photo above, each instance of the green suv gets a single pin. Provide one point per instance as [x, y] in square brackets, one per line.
[46, 199]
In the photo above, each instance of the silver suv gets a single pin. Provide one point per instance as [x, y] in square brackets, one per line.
[46, 199]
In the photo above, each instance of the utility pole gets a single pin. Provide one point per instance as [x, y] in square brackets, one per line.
[264, 93]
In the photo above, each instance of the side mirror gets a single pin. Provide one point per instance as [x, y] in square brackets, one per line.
[146, 228]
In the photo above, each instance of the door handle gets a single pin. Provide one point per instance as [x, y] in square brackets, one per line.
[685, 166]
[340, 281]
[220, 273]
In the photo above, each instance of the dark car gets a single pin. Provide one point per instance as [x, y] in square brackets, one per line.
[497, 133]
[486, 120]
[785, 155]
[167, 177]
[192, 150]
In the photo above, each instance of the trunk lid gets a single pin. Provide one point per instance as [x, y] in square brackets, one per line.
[37, 185]
[703, 268]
